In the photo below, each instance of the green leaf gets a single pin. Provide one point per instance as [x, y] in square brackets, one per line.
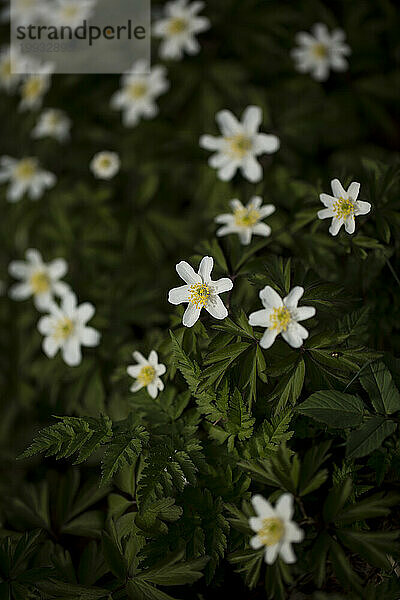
[369, 437]
[333, 408]
[124, 448]
[384, 395]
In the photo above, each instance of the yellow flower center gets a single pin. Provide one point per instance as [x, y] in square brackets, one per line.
[53, 119]
[6, 68]
[199, 294]
[280, 318]
[137, 90]
[32, 88]
[104, 162]
[343, 207]
[239, 145]
[177, 25]
[147, 375]
[320, 50]
[272, 531]
[40, 282]
[70, 11]
[25, 169]
[246, 217]
[64, 328]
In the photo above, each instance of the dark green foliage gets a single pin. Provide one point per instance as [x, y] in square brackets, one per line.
[119, 496]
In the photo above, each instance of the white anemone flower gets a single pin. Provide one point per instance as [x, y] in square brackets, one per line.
[105, 165]
[35, 85]
[320, 51]
[343, 207]
[38, 279]
[52, 123]
[10, 64]
[179, 27]
[275, 529]
[246, 220]
[22, 12]
[25, 177]
[239, 145]
[147, 373]
[139, 90]
[70, 13]
[65, 329]
[200, 291]
[282, 316]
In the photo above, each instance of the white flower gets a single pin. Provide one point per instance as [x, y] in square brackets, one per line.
[275, 529]
[68, 12]
[239, 145]
[246, 220]
[147, 373]
[200, 291]
[105, 165]
[342, 207]
[23, 12]
[35, 85]
[9, 79]
[40, 280]
[65, 328]
[137, 97]
[321, 51]
[52, 123]
[25, 176]
[179, 28]
[282, 316]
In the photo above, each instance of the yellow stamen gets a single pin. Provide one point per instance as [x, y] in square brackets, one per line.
[32, 87]
[64, 329]
[25, 169]
[239, 145]
[147, 375]
[40, 282]
[320, 50]
[104, 162]
[343, 207]
[176, 26]
[199, 294]
[272, 531]
[137, 90]
[280, 318]
[246, 217]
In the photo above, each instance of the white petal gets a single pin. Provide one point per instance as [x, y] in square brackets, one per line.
[335, 226]
[350, 224]
[89, 337]
[34, 257]
[138, 356]
[71, 351]
[43, 301]
[287, 554]
[284, 507]
[260, 318]
[337, 189]
[216, 308]
[45, 325]
[325, 213]
[261, 229]
[362, 208]
[252, 119]
[293, 533]
[304, 312]
[262, 507]
[136, 386]
[19, 269]
[57, 268]
[245, 235]
[222, 285]
[327, 200]
[270, 298]
[205, 268]
[187, 273]
[292, 299]
[236, 204]
[210, 142]
[152, 389]
[255, 523]
[61, 289]
[160, 369]
[153, 358]
[85, 312]
[191, 315]
[266, 210]
[251, 169]
[271, 553]
[266, 143]
[179, 294]
[228, 123]
[228, 171]
[20, 291]
[69, 304]
[268, 338]
[134, 370]
[353, 190]
[295, 334]
[255, 542]
[50, 346]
